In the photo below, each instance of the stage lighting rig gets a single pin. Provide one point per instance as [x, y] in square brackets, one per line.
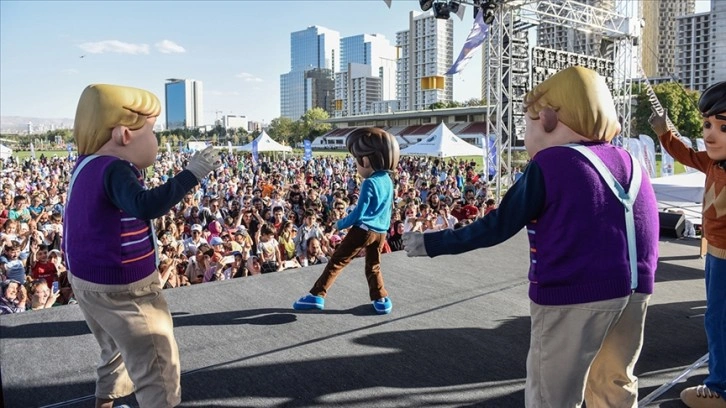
[443, 8]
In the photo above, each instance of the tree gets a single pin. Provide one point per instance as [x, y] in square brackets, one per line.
[311, 125]
[279, 129]
[474, 102]
[681, 104]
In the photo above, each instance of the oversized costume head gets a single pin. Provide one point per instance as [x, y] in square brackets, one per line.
[713, 100]
[379, 146]
[575, 97]
[712, 105]
[104, 107]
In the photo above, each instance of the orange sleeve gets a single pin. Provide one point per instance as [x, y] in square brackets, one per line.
[684, 154]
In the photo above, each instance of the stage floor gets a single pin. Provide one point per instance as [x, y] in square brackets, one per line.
[457, 337]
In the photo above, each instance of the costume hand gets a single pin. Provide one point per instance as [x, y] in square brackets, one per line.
[203, 162]
[659, 123]
[413, 243]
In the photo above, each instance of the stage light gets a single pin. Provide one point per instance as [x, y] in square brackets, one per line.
[454, 6]
[489, 18]
[425, 4]
[442, 11]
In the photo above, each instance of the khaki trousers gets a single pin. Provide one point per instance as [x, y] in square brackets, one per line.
[135, 331]
[356, 239]
[585, 351]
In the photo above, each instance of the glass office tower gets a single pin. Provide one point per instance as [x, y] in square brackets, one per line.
[184, 105]
[315, 48]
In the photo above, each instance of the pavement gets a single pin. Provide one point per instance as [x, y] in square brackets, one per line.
[457, 337]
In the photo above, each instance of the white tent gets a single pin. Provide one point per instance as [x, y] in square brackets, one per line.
[5, 152]
[265, 144]
[442, 142]
[681, 192]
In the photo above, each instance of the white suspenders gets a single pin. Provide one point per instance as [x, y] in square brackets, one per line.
[626, 198]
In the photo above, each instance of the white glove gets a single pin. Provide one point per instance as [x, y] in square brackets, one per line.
[413, 243]
[203, 162]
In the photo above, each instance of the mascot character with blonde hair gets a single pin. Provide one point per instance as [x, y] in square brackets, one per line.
[592, 223]
[110, 244]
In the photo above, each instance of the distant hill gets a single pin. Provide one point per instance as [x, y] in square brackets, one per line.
[19, 124]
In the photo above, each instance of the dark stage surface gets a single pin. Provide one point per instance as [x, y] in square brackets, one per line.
[457, 337]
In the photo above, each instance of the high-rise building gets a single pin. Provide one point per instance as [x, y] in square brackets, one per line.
[184, 104]
[426, 53]
[315, 48]
[356, 89]
[693, 48]
[658, 45]
[367, 74]
[717, 70]
[374, 50]
[572, 40]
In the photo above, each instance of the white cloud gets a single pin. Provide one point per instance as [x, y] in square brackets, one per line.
[70, 71]
[169, 47]
[114, 46]
[247, 77]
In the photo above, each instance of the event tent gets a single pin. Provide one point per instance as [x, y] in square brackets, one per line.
[265, 144]
[442, 142]
[5, 152]
[681, 192]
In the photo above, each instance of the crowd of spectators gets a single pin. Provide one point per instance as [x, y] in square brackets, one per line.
[247, 218]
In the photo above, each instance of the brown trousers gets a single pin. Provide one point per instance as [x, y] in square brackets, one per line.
[356, 239]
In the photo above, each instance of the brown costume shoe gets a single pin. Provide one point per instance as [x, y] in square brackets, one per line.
[702, 397]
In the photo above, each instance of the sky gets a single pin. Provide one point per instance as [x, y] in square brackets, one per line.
[51, 50]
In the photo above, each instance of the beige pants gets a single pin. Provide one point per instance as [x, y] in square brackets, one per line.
[585, 351]
[136, 334]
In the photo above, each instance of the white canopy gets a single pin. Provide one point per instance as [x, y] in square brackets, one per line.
[442, 143]
[681, 192]
[5, 152]
[265, 144]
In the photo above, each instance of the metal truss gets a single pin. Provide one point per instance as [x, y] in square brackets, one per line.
[503, 94]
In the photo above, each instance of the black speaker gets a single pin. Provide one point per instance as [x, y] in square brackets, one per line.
[672, 224]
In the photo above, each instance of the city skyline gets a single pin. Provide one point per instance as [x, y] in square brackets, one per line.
[49, 51]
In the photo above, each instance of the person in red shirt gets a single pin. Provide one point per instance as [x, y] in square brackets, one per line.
[470, 209]
[40, 265]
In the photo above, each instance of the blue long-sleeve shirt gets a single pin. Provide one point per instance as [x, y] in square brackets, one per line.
[375, 204]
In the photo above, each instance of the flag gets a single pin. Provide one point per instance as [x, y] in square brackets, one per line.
[476, 37]
[666, 163]
[308, 150]
[254, 152]
[649, 154]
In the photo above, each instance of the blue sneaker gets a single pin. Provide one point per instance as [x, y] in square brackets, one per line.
[309, 302]
[383, 306]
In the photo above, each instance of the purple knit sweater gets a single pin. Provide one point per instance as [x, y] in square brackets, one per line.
[103, 244]
[578, 246]
[576, 227]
